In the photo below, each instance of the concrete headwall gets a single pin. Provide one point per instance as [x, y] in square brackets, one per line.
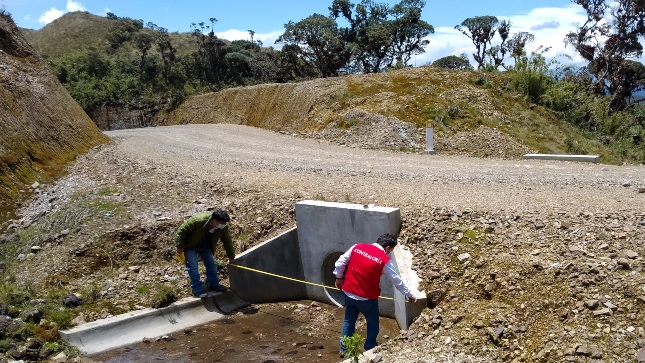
[307, 253]
[279, 256]
[326, 228]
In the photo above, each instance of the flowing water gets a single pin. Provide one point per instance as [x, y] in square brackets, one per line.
[270, 334]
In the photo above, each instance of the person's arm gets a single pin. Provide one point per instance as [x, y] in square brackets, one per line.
[397, 281]
[183, 231]
[227, 241]
[339, 267]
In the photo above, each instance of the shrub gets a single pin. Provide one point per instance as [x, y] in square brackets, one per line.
[352, 346]
[530, 75]
[163, 296]
[453, 62]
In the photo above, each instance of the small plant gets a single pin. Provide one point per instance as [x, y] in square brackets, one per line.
[453, 110]
[347, 124]
[352, 346]
[91, 293]
[61, 316]
[143, 289]
[480, 80]
[320, 197]
[11, 294]
[108, 192]
[63, 346]
[163, 296]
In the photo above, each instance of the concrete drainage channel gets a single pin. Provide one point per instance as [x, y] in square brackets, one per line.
[304, 254]
[116, 331]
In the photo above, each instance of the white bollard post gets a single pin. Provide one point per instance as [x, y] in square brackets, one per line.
[429, 141]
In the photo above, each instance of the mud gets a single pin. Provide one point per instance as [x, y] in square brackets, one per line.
[273, 333]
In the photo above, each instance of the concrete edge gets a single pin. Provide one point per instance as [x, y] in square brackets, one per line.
[132, 327]
[581, 158]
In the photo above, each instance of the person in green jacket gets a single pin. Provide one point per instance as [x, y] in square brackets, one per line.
[198, 236]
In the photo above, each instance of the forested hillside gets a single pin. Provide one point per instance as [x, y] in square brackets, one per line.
[134, 72]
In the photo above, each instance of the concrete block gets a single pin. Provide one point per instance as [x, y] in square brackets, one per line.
[328, 229]
[279, 256]
[580, 158]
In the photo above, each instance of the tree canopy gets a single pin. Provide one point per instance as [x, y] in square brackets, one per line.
[611, 36]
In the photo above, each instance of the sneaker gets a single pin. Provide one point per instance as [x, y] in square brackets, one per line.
[199, 294]
[217, 288]
[342, 354]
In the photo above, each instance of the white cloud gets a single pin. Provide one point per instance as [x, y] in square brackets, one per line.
[74, 6]
[50, 15]
[267, 38]
[105, 11]
[548, 25]
[54, 13]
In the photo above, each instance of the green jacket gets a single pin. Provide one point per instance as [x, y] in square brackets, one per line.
[195, 228]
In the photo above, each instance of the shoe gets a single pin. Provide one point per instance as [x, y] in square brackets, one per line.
[342, 354]
[199, 294]
[217, 288]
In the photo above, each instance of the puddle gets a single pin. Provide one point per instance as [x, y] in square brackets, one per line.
[272, 333]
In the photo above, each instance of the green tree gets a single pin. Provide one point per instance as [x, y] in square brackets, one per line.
[517, 44]
[143, 41]
[409, 31]
[480, 30]
[381, 36]
[122, 31]
[497, 53]
[531, 74]
[611, 35]
[208, 62]
[317, 40]
[453, 62]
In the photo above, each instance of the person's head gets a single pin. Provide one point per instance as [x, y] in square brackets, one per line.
[219, 218]
[387, 241]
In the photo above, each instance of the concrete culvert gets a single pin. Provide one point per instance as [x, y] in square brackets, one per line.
[327, 273]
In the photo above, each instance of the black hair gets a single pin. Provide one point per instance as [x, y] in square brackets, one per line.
[220, 215]
[387, 240]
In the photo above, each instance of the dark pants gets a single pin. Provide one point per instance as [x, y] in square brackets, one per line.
[369, 309]
[206, 253]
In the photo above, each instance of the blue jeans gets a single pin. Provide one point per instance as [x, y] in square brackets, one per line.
[369, 309]
[191, 267]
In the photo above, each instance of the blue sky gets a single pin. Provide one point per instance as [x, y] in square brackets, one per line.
[548, 20]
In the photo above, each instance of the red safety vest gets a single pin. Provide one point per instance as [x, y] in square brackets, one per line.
[364, 270]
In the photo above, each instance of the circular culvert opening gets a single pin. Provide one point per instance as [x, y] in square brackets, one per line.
[336, 296]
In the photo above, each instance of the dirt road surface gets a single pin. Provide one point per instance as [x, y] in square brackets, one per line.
[271, 161]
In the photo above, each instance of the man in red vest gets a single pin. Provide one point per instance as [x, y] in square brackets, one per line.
[358, 272]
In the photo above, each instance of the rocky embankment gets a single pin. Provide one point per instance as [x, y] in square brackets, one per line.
[522, 261]
[41, 126]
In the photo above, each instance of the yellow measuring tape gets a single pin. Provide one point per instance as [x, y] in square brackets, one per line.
[296, 280]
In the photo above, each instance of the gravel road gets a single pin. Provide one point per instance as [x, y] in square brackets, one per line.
[264, 159]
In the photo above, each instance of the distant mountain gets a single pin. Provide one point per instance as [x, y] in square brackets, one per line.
[69, 33]
[74, 31]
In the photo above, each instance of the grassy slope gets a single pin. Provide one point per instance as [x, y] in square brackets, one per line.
[76, 30]
[452, 102]
[69, 33]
